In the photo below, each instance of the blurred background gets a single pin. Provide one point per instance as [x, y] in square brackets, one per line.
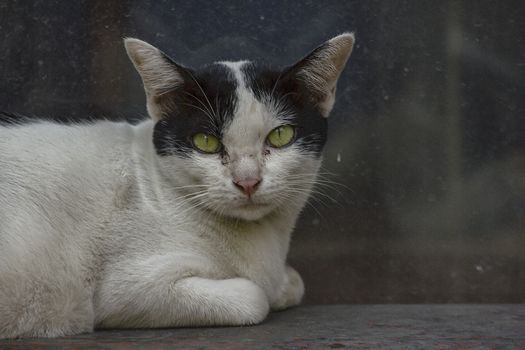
[427, 136]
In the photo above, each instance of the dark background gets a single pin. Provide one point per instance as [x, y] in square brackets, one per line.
[427, 137]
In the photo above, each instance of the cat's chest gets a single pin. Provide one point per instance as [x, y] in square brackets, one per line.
[258, 252]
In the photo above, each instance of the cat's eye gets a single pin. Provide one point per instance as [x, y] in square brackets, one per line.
[281, 136]
[206, 143]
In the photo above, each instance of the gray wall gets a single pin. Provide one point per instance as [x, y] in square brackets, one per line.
[427, 138]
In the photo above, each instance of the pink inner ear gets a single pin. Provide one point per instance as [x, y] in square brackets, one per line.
[158, 72]
[321, 69]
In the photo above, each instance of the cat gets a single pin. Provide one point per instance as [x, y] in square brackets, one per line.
[183, 219]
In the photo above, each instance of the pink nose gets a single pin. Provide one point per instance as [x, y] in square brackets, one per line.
[248, 186]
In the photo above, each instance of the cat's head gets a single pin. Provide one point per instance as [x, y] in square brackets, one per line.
[239, 138]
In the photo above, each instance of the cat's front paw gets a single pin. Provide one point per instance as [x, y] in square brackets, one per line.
[250, 304]
[291, 292]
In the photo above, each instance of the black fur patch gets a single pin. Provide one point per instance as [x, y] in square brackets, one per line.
[215, 85]
[7, 118]
[311, 126]
[205, 103]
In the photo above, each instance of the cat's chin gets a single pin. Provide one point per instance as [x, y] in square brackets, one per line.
[250, 211]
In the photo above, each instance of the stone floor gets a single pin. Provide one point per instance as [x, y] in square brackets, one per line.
[327, 327]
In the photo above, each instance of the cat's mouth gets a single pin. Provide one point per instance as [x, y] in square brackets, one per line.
[249, 204]
[251, 210]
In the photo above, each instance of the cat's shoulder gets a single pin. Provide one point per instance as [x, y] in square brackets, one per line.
[21, 132]
[16, 119]
[24, 123]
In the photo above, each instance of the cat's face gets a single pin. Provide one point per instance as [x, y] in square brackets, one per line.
[237, 138]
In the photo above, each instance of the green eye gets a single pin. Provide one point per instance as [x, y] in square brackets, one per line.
[281, 136]
[206, 143]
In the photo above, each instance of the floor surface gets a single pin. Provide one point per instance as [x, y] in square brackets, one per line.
[327, 327]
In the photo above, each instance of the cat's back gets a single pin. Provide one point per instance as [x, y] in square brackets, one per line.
[44, 141]
[48, 152]
[64, 169]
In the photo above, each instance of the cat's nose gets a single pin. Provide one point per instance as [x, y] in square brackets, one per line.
[247, 186]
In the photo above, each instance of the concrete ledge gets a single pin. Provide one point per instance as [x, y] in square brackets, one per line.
[327, 327]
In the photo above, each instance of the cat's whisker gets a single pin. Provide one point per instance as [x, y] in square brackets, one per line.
[209, 113]
[191, 196]
[276, 82]
[200, 109]
[196, 99]
[308, 190]
[316, 184]
[324, 195]
[320, 180]
[285, 198]
[194, 195]
[302, 191]
[279, 105]
[193, 186]
[188, 205]
[204, 93]
[316, 189]
[217, 110]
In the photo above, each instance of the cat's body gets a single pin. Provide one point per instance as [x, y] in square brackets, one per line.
[117, 225]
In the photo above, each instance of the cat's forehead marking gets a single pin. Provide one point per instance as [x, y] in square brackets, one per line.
[236, 69]
[251, 119]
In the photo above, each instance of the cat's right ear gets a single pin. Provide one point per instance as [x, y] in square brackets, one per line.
[158, 72]
[320, 70]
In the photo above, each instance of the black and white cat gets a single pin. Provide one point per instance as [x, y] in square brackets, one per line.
[181, 220]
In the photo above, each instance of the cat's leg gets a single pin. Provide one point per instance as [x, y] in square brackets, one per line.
[165, 291]
[291, 291]
[42, 304]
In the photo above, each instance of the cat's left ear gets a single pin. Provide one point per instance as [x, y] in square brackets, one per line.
[158, 72]
[320, 70]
